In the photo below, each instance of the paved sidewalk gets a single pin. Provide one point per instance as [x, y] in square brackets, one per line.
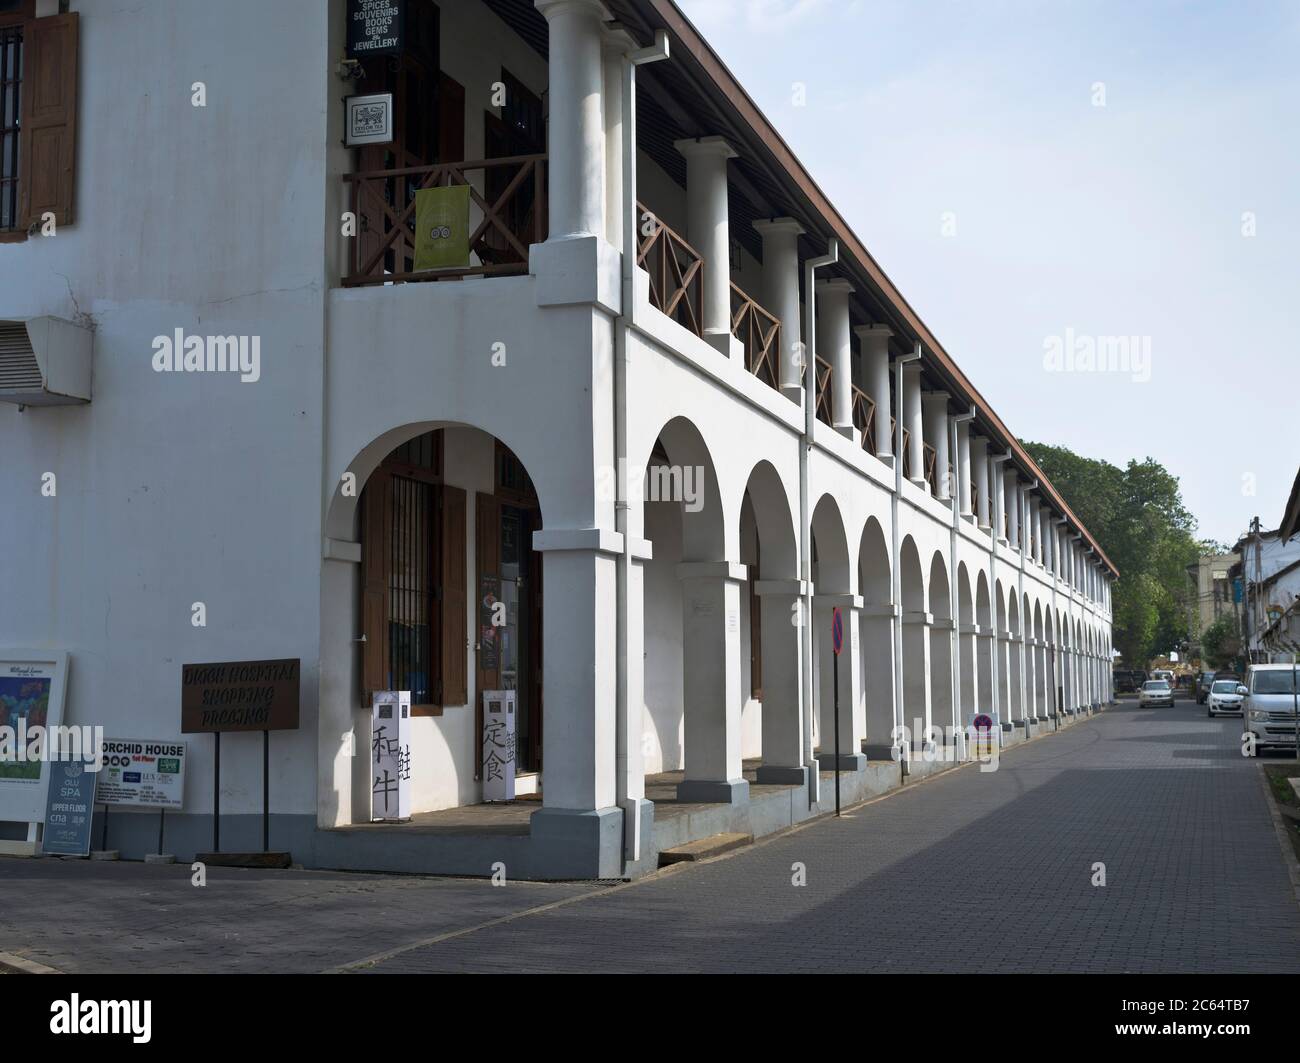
[969, 871]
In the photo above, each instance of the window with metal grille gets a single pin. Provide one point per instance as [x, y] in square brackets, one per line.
[411, 589]
[11, 76]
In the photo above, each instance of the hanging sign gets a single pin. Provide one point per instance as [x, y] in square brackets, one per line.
[375, 27]
[142, 772]
[69, 810]
[369, 119]
[390, 755]
[240, 696]
[442, 227]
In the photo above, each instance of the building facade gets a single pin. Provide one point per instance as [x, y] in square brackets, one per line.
[626, 460]
[1210, 594]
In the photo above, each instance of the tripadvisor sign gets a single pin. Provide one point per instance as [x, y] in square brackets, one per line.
[240, 696]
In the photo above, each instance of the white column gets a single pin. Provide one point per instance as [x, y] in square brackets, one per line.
[782, 683]
[616, 44]
[576, 125]
[1038, 530]
[711, 682]
[980, 456]
[834, 345]
[963, 469]
[875, 368]
[781, 296]
[708, 231]
[936, 434]
[914, 423]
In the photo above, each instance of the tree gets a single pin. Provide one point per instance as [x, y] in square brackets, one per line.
[1221, 642]
[1137, 516]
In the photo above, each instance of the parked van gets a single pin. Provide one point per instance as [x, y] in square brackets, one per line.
[1269, 707]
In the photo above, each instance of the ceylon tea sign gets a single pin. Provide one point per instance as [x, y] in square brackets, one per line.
[240, 696]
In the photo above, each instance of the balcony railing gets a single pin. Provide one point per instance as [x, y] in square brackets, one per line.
[822, 405]
[676, 272]
[508, 212]
[864, 418]
[760, 332]
[929, 455]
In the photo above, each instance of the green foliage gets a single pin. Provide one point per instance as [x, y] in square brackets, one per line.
[1137, 516]
[1221, 642]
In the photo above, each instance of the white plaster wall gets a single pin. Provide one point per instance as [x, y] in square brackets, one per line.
[178, 488]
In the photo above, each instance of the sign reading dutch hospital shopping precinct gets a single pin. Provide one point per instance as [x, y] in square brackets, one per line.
[240, 696]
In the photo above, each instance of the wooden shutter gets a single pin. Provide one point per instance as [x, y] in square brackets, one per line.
[49, 123]
[376, 535]
[451, 120]
[455, 673]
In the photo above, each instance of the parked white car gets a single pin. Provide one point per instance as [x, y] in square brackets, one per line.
[1269, 705]
[1224, 698]
[1155, 692]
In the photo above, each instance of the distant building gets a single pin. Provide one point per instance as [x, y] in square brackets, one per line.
[1211, 594]
[1270, 573]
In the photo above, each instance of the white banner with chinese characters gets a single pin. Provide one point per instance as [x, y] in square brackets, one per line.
[498, 745]
[390, 755]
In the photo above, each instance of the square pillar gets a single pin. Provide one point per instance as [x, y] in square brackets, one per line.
[779, 601]
[711, 699]
[876, 627]
[916, 675]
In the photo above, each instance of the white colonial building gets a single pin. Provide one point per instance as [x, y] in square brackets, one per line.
[600, 420]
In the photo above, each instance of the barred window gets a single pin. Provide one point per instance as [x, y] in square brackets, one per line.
[11, 77]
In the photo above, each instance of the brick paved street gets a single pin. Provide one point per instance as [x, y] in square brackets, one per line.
[966, 872]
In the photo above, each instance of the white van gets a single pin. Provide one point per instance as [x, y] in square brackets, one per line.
[1272, 691]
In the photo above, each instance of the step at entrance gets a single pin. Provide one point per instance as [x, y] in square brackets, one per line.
[702, 848]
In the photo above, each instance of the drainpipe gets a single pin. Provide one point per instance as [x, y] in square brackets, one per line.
[896, 544]
[625, 733]
[953, 591]
[1000, 496]
[805, 516]
[1025, 692]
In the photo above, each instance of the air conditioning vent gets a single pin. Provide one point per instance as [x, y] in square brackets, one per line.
[44, 361]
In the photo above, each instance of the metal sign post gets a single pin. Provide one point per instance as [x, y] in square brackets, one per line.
[837, 644]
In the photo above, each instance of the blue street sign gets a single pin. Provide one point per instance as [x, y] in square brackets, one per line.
[69, 809]
[837, 631]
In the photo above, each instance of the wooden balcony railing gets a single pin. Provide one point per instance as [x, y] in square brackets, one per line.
[676, 272]
[823, 394]
[929, 454]
[864, 418]
[508, 198]
[760, 332]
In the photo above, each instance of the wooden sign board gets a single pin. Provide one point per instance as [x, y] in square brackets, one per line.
[240, 696]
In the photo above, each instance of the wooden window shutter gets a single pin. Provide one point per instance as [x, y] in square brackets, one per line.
[451, 119]
[455, 641]
[49, 123]
[376, 537]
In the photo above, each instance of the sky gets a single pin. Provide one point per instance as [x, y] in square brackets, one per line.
[1044, 179]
